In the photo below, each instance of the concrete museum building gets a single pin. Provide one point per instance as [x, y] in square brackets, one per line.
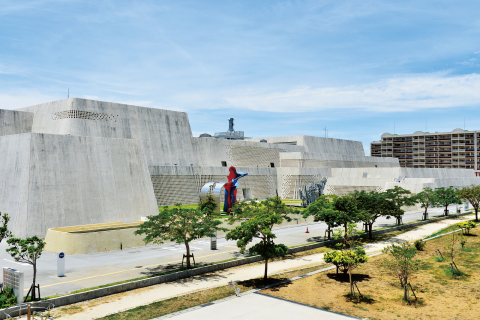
[77, 162]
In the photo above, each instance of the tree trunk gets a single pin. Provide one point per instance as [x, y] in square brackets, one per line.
[446, 208]
[405, 293]
[329, 231]
[425, 214]
[350, 276]
[34, 279]
[476, 213]
[188, 254]
[345, 236]
[370, 227]
[266, 268]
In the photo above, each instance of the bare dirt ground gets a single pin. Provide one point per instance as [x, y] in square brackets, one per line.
[440, 294]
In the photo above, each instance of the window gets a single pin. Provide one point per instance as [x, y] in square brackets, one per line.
[272, 164]
[224, 163]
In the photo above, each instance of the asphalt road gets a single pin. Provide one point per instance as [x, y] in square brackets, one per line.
[90, 270]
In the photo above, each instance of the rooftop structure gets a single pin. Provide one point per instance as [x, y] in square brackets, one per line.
[231, 134]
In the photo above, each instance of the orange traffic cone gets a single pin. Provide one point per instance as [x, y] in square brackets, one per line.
[307, 231]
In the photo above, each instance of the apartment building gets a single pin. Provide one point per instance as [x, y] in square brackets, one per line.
[456, 149]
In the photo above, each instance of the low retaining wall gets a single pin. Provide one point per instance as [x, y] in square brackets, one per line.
[102, 292]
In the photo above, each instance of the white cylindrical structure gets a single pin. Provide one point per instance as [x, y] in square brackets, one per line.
[61, 264]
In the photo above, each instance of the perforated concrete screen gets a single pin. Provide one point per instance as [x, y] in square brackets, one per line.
[86, 115]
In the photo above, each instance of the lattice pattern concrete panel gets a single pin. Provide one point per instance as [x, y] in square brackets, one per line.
[344, 190]
[291, 184]
[86, 115]
[241, 156]
[185, 189]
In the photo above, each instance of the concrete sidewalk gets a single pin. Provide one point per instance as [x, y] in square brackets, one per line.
[258, 306]
[131, 299]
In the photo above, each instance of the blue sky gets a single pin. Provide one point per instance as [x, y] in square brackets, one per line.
[359, 68]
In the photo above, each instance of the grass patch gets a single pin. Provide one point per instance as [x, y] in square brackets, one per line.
[161, 308]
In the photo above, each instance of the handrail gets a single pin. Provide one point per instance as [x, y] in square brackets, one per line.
[41, 316]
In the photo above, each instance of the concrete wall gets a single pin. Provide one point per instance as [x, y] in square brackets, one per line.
[210, 152]
[60, 180]
[345, 180]
[182, 184]
[165, 135]
[320, 145]
[15, 122]
[102, 238]
[329, 160]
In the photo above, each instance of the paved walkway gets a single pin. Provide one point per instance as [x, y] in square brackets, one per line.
[259, 306]
[131, 299]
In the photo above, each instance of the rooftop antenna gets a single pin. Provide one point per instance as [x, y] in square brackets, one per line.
[325, 132]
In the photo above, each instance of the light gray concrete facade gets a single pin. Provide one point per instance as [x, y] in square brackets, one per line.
[78, 161]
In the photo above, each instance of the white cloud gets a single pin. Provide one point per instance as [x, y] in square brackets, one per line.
[396, 94]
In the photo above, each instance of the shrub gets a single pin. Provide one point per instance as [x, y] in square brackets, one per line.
[341, 258]
[7, 298]
[466, 226]
[420, 245]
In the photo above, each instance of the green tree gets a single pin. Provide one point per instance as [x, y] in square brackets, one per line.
[466, 226]
[349, 259]
[400, 197]
[472, 195]
[322, 210]
[27, 251]
[427, 199]
[372, 205]
[401, 263]
[259, 218]
[179, 225]
[347, 212]
[446, 196]
[4, 232]
[208, 206]
[243, 210]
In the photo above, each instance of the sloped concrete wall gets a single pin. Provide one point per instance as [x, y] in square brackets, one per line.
[15, 122]
[320, 145]
[14, 179]
[165, 135]
[61, 180]
[210, 152]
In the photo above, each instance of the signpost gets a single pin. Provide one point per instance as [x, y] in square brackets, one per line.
[213, 241]
[14, 279]
[61, 264]
[233, 287]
